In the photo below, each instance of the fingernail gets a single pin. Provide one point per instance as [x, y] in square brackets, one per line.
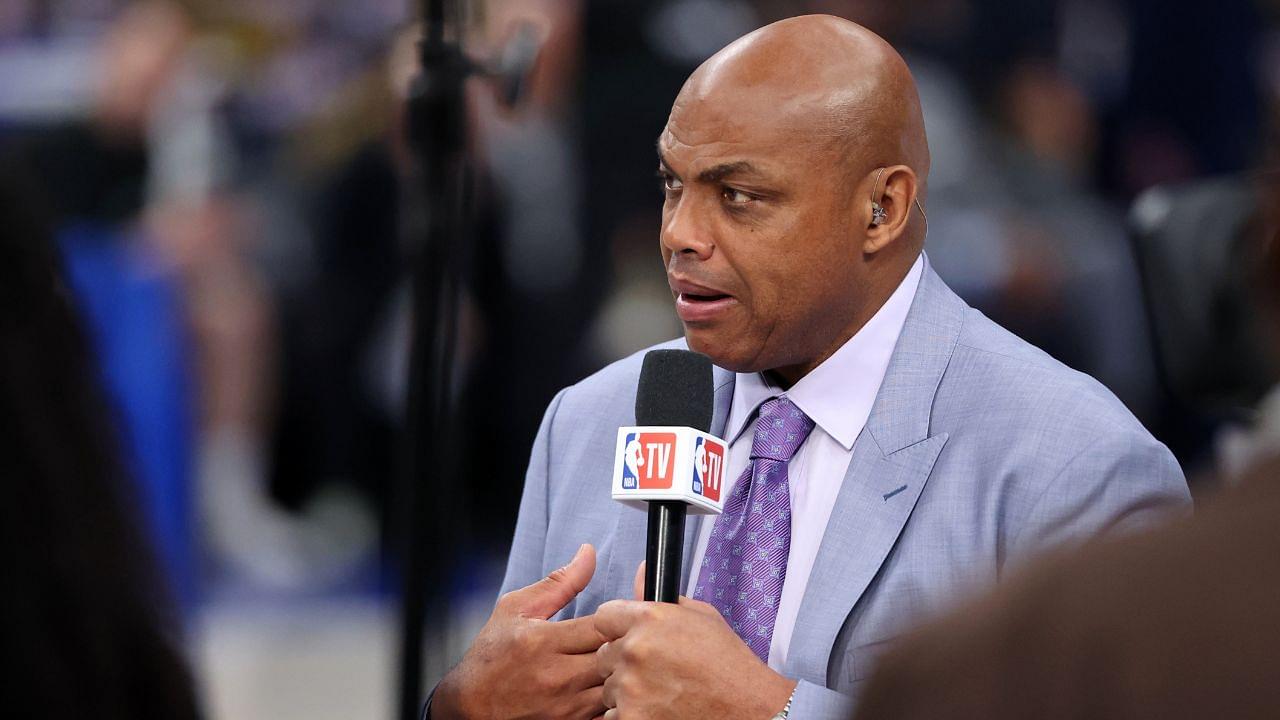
[581, 549]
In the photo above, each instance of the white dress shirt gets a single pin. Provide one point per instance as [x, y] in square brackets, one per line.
[837, 395]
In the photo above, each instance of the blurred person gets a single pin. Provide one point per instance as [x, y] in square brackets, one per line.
[88, 630]
[161, 255]
[537, 281]
[344, 315]
[930, 450]
[252, 540]
[1073, 285]
[1022, 235]
[93, 178]
[1180, 621]
[528, 282]
[138, 193]
[1024, 238]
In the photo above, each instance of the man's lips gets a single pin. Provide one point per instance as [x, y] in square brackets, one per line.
[700, 303]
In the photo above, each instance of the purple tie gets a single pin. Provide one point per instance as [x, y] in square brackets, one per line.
[746, 559]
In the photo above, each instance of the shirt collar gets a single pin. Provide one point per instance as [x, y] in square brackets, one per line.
[838, 394]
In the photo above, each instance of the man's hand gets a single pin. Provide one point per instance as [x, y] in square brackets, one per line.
[521, 665]
[681, 661]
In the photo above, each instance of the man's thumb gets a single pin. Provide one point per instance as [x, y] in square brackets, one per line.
[546, 597]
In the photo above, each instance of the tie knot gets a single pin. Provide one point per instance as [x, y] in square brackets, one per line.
[780, 430]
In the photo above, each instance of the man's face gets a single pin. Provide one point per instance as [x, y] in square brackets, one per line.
[758, 236]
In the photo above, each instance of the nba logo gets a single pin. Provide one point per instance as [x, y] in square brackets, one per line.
[647, 461]
[708, 468]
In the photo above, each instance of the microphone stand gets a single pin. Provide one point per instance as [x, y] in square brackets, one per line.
[437, 133]
[431, 497]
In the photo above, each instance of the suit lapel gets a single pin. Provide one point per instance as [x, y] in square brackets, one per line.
[873, 506]
[632, 526]
[891, 463]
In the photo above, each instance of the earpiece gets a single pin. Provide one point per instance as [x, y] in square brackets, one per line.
[878, 214]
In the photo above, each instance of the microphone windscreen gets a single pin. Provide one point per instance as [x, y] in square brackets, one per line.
[675, 389]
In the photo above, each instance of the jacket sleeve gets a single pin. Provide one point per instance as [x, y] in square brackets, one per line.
[528, 547]
[815, 702]
[1120, 481]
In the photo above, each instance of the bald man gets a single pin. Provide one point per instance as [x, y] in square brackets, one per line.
[890, 447]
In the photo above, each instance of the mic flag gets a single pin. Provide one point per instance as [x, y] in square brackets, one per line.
[655, 462]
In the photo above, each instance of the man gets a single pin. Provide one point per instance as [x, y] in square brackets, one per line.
[891, 445]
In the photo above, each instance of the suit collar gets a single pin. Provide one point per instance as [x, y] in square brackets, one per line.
[892, 461]
[900, 416]
[724, 381]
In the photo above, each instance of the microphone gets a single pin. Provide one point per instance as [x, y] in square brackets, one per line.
[670, 461]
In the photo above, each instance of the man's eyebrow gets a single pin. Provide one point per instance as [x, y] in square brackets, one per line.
[715, 173]
[662, 160]
[719, 172]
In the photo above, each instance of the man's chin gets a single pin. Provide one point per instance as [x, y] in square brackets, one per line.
[723, 354]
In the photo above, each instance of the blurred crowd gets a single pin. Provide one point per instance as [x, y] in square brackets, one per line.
[231, 190]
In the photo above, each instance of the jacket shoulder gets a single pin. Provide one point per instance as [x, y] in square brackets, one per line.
[612, 388]
[995, 370]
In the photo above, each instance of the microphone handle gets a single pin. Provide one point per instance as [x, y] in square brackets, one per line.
[664, 553]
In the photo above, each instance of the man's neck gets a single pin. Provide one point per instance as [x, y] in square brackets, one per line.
[788, 375]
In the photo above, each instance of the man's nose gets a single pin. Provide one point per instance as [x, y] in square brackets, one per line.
[685, 230]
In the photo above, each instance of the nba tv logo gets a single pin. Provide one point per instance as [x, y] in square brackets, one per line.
[649, 461]
[708, 468]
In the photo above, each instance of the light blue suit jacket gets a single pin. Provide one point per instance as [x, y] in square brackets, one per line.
[980, 450]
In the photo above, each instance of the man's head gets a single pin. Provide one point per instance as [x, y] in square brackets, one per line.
[773, 153]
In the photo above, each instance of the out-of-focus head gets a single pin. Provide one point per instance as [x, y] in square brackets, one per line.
[138, 58]
[771, 157]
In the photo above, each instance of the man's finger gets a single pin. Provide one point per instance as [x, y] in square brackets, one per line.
[581, 671]
[699, 606]
[574, 636]
[590, 702]
[546, 597]
[606, 659]
[615, 618]
[609, 695]
[637, 585]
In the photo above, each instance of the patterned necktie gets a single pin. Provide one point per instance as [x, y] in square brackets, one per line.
[746, 559]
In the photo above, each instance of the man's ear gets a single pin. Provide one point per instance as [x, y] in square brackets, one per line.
[894, 193]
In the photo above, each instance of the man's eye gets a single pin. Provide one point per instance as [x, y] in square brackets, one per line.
[736, 197]
[671, 182]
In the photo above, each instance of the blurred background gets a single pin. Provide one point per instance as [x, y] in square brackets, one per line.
[234, 203]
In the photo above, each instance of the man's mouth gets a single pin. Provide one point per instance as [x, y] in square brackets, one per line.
[697, 303]
[702, 297]
[702, 307]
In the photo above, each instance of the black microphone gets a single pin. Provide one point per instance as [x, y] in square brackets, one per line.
[675, 390]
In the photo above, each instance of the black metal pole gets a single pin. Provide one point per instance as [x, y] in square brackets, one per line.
[432, 499]
[437, 128]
